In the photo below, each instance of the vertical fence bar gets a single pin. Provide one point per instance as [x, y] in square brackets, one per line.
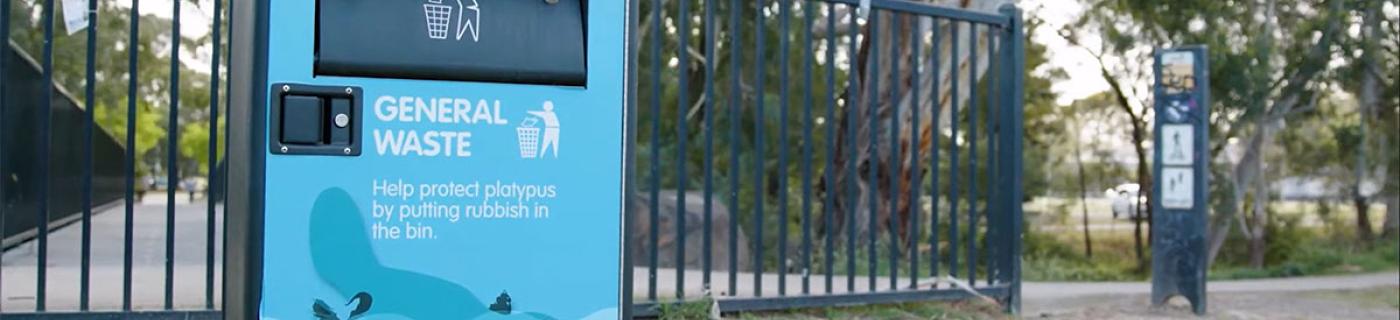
[682, 101]
[212, 167]
[851, 109]
[709, 140]
[629, 175]
[172, 168]
[1012, 142]
[785, 16]
[758, 159]
[916, 181]
[993, 131]
[953, 170]
[807, 147]
[830, 232]
[46, 136]
[873, 168]
[1004, 128]
[134, 37]
[972, 163]
[84, 277]
[894, 172]
[4, 70]
[936, 136]
[735, 103]
[656, 38]
[228, 109]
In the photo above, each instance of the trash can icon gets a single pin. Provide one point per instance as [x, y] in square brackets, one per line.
[529, 137]
[439, 18]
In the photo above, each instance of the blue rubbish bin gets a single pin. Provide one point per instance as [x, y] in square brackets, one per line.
[427, 159]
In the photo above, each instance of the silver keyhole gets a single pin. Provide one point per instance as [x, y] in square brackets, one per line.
[342, 120]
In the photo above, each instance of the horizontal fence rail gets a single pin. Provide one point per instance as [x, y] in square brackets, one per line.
[810, 153]
[789, 153]
[109, 145]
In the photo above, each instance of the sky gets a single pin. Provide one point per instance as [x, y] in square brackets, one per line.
[195, 21]
[1084, 79]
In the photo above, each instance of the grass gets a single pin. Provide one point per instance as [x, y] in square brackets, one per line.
[699, 309]
[1060, 257]
[1294, 249]
[1321, 258]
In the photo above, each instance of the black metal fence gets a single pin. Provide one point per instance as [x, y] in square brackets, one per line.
[789, 154]
[77, 256]
[811, 153]
[26, 89]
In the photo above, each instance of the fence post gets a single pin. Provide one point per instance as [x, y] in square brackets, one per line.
[4, 72]
[629, 154]
[1012, 170]
[242, 232]
[45, 152]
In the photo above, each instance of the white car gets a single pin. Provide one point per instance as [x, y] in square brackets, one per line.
[1126, 200]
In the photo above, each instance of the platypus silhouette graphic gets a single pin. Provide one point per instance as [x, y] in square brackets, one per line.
[352, 309]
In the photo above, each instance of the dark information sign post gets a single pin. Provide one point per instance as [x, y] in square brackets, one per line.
[1180, 162]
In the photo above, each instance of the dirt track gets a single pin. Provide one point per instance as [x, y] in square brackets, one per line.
[1366, 296]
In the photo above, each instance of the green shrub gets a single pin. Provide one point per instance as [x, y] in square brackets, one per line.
[1052, 258]
[698, 309]
[1314, 257]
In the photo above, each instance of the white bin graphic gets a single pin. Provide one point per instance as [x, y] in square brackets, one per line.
[529, 137]
[439, 18]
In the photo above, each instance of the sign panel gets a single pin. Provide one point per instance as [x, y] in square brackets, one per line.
[1177, 188]
[75, 15]
[1178, 72]
[1177, 144]
[424, 198]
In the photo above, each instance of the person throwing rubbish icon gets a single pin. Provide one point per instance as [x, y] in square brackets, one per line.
[551, 129]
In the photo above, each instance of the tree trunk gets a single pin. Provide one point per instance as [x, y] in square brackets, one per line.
[1243, 179]
[1083, 189]
[856, 156]
[1219, 230]
[1256, 251]
[1369, 102]
[1258, 244]
[1391, 227]
[1364, 231]
[1220, 224]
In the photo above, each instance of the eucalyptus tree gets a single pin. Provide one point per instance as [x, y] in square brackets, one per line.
[1267, 59]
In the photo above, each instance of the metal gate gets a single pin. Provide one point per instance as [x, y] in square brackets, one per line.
[817, 153]
[785, 154]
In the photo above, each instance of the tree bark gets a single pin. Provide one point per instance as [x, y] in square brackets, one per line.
[1083, 201]
[1369, 102]
[854, 150]
[1391, 226]
[1364, 231]
[1258, 244]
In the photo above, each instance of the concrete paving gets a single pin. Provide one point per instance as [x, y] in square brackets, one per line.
[20, 271]
[1048, 297]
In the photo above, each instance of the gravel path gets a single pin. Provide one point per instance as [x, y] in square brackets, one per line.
[1364, 296]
